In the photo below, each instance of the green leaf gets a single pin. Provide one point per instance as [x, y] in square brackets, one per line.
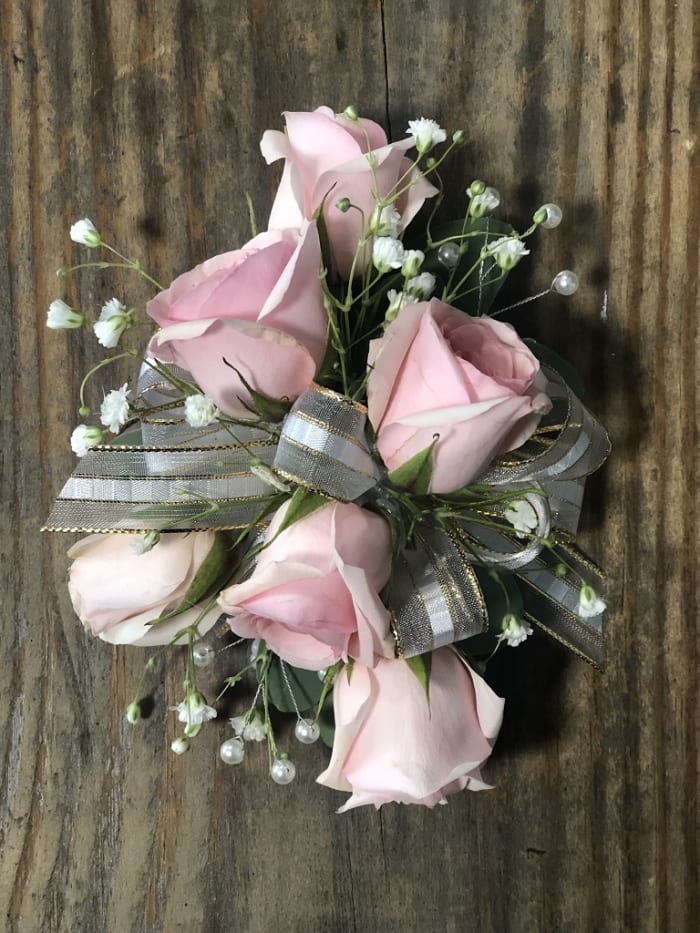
[415, 474]
[302, 503]
[305, 686]
[130, 437]
[268, 408]
[326, 721]
[420, 665]
[562, 366]
[215, 565]
[213, 573]
[324, 239]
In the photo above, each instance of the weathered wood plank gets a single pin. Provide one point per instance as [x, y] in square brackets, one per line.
[147, 117]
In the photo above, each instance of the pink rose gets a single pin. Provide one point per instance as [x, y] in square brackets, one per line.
[260, 308]
[116, 592]
[313, 595]
[472, 381]
[392, 745]
[326, 154]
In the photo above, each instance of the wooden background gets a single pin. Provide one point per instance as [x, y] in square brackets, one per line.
[146, 117]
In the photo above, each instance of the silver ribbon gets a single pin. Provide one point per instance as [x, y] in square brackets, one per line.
[322, 446]
[552, 602]
[550, 470]
[434, 596]
[163, 480]
[117, 489]
[568, 445]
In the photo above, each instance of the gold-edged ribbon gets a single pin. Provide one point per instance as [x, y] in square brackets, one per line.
[433, 595]
[171, 473]
[323, 446]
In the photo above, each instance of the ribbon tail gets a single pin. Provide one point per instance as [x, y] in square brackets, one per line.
[551, 601]
[435, 598]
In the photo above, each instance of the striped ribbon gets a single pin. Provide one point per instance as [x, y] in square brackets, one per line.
[168, 473]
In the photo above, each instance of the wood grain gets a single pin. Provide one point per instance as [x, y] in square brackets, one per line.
[146, 117]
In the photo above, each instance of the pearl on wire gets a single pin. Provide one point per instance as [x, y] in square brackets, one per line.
[232, 751]
[202, 654]
[448, 255]
[553, 218]
[565, 282]
[283, 771]
[307, 731]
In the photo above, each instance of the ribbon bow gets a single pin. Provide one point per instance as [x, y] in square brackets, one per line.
[169, 472]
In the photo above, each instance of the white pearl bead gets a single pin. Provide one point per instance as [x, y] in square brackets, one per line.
[565, 282]
[202, 654]
[307, 731]
[232, 751]
[553, 216]
[283, 771]
[448, 255]
[322, 674]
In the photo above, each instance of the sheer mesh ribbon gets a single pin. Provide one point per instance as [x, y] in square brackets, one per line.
[323, 446]
[434, 596]
[163, 476]
[169, 472]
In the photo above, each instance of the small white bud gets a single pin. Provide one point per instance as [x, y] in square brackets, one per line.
[384, 221]
[484, 203]
[412, 261]
[61, 316]
[507, 252]
[522, 516]
[114, 410]
[387, 253]
[114, 319]
[514, 630]
[85, 232]
[200, 411]
[84, 437]
[589, 603]
[421, 286]
[133, 712]
[180, 745]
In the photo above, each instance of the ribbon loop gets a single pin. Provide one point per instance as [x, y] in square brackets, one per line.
[323, 446]
[568, 446]
[434, 596]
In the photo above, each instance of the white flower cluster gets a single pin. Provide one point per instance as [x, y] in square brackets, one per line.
[426, 133]
[250, 727]
[514, 630]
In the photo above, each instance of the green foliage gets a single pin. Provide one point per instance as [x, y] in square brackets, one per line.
[326, 721]
[266, 407]
[302, 503]
[470, 236]
[212, 575]
[563, 367]
[129, 437]
[415, 474]
[420, 665]
[324, 239]
[305, 686]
